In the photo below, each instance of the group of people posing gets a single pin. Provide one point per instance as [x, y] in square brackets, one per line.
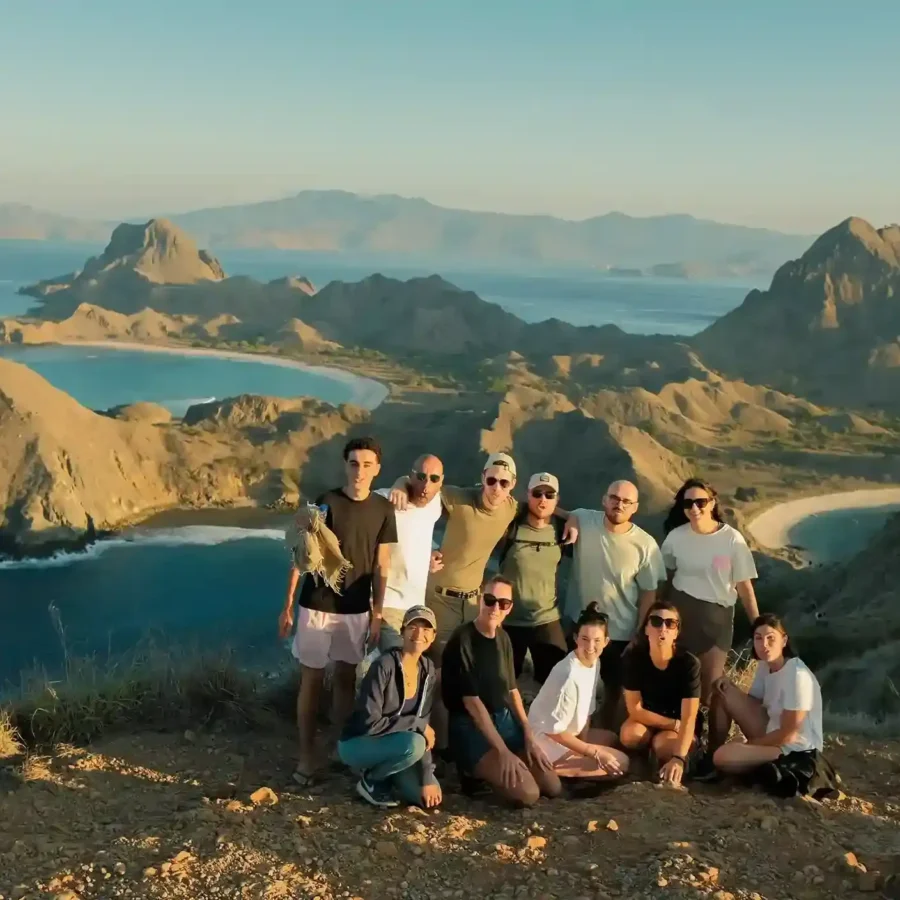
[630, 657]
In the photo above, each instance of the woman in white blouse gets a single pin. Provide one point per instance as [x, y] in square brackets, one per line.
[709, 566]
[560, 714]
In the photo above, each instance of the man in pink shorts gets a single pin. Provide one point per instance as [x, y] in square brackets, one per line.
[332, 627]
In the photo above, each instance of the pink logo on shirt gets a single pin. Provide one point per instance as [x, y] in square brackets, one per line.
[721, 563]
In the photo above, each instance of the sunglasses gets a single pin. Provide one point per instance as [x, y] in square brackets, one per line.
[490, 481]
[502, 602]
[538, 493]
[660, 621]
[699, 502]
[421, 476]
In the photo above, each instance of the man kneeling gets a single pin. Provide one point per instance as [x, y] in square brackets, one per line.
[490, 736]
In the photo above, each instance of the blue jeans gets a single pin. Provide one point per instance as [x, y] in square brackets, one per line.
[468, 745]
[393, 758]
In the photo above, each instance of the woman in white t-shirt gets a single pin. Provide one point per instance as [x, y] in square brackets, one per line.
[709, 566]
[780, 714]
[560, 714]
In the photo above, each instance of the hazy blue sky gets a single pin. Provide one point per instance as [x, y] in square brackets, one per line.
[773, 113]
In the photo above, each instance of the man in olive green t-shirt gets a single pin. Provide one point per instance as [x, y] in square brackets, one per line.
[529, 557]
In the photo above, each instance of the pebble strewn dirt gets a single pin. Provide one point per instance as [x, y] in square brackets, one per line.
[214, 816]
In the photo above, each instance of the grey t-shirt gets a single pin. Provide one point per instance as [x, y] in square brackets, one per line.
[612, 569]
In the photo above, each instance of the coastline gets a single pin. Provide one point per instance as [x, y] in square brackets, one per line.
[772, 527]
[370, 388]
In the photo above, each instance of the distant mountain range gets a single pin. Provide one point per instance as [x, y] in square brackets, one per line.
[678, 245]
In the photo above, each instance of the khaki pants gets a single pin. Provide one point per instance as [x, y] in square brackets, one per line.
[450, 612]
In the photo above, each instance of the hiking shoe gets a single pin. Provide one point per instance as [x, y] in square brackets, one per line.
[377, 794]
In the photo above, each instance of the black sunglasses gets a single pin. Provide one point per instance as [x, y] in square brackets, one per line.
[421, 476]
[502, 602]
[660, 621]
[699, 502]
[490, 481]
[538, 493]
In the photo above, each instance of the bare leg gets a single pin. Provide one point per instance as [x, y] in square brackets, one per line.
[634, 736]
[712, 668]
[525, 792]
[738, 757]
[600, 736]
[548, 782]
[665, 744]
[307, 714]
[731, 704]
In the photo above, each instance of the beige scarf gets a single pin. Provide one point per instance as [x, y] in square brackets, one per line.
[315, 549]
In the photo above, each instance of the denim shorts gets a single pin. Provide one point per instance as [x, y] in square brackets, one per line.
[468, 745]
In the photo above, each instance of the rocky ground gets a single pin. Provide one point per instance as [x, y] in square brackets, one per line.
[200, 815]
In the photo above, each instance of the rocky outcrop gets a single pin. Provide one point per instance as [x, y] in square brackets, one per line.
[158, 266]
[827, 327]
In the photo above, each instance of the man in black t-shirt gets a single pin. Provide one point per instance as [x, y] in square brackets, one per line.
[490, 736]
[332, 625]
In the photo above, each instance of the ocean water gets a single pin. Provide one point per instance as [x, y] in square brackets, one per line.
[194, 587]
[534, 293]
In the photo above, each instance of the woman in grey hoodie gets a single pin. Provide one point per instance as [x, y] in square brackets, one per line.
[387, 738]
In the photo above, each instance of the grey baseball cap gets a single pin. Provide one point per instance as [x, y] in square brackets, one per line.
[419, 612]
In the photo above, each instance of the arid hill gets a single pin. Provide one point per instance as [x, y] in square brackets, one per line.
[159, 266]
[69, 472]
[847, 621]
[828, 326]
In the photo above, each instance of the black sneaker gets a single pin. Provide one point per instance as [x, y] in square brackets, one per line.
[471, 786]
[376, 794]
[704, 770]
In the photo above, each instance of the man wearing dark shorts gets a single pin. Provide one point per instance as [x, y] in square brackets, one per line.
[621, 567]
[332, 625]
[490, 736]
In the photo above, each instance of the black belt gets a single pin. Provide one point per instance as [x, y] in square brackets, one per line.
[456, 595]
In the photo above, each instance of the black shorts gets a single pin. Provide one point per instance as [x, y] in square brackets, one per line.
[704, 625]
[611, 664]
[547, 644]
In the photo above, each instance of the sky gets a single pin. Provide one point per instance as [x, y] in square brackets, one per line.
[781, 114]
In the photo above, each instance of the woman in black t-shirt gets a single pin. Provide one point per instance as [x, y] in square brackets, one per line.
[662, 693]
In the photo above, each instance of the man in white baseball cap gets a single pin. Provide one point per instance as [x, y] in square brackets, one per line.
[529, 557]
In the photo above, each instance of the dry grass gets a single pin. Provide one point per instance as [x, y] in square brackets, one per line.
[154, 689]
[10, 744]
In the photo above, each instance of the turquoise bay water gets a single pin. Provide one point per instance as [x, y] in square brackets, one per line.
[840, 534]
[196, 587]
[101, 377]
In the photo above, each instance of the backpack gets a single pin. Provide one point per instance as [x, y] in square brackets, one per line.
[506, 542]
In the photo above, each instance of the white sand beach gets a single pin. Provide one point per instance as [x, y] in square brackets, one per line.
[772, 528]
[370, 391]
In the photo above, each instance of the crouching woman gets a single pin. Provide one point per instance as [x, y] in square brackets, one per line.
[561, 713]
[387, 738]
[661, 684]
[780, 718]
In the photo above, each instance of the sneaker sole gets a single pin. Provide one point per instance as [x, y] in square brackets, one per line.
[363, 792]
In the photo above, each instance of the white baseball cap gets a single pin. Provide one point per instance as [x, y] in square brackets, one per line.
[543, 479]
[501, 459]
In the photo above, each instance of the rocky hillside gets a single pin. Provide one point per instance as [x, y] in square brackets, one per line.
[828, 326]
[69, 472]
[847, 620]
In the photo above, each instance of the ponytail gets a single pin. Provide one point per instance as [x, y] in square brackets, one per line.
[592, 615]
